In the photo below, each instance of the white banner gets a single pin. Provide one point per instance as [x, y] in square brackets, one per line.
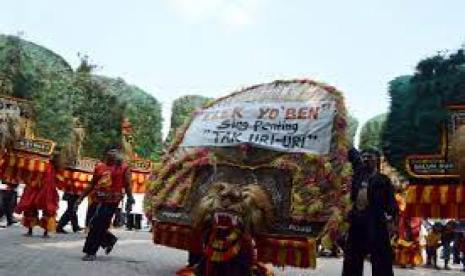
[281, 126]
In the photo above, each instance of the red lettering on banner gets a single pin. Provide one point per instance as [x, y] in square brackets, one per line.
[313, 113]
[291, 114]
[235, 113]
[303, 113]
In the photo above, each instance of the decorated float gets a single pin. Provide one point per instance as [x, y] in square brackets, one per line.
[264, 169]
[25, 159]
[436, 189]
[423, 140]
[78, 112]
[424, 136]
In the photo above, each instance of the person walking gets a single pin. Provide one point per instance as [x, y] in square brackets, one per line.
[110, 178]
[70, 195]
[433, 239]
[447, 236]
[8, 197]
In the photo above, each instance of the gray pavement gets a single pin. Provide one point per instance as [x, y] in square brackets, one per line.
[134, 255]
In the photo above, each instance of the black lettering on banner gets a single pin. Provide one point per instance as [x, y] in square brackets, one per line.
[257, 125]
[286, 141]
[264, 139]
[232, 126]
[239, 125]
[224, 124]
[217, 136]
[325, 106]
[226, 137]
[297, 142]
[290, 128]
[295, 127]
[290, 141]
[272, 140]
[254, 138]
[236, 136]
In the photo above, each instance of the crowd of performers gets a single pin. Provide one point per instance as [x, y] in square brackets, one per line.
[378, 227]
[110, 182]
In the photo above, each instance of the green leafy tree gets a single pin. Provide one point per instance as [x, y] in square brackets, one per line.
[100, 113]
[181, 111]
[370, 134]
[58, 95]
[418, 106]
[352, 129]
[142, 110]
[34, 73]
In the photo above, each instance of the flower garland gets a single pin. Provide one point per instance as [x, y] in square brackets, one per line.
[319, 183]
[169, 186]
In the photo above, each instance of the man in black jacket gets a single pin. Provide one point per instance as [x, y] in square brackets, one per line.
[373, 208]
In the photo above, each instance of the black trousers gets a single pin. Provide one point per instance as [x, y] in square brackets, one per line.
[193, 259]
[7, 204]
[99, 236]
[90, 212]
[118, 221]
[130, 221]
[431, 255]
[367, 236]
[456, 251]
[70, 214]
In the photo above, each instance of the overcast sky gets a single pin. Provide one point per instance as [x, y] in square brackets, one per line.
[172, 48]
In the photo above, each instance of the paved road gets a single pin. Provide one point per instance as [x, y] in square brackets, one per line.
[134, 255]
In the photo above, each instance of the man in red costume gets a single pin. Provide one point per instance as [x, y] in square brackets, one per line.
[42, 196]
[110, 178]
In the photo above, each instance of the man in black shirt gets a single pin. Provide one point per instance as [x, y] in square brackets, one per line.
[373, 207]
[8, 197]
